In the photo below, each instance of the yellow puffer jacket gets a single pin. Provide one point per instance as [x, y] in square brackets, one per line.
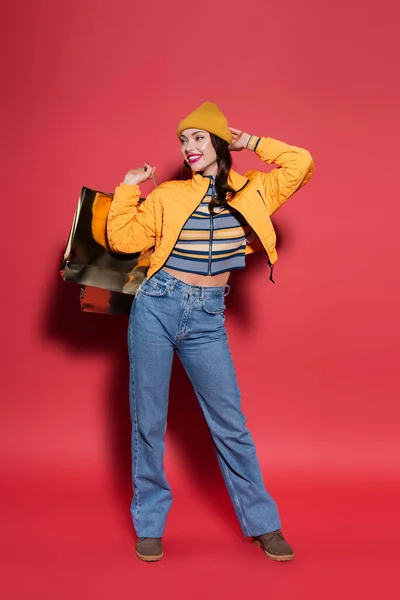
[157, 222]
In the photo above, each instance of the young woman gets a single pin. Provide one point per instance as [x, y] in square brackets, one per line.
[200, 231]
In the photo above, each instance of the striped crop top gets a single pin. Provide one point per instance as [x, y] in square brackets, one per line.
[211, 244]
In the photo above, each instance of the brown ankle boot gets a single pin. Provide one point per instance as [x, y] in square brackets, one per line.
[274, 545]
[149, 549]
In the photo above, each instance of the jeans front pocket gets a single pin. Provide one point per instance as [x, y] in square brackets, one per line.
[214, 304]
[153, 288]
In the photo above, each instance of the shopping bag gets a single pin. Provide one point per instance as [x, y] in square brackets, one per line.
[99, 300]
[108, 280]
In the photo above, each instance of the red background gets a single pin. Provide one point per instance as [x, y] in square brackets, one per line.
[94, 89]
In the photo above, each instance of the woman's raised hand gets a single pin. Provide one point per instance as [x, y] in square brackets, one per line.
[138, 176]
[240, 139]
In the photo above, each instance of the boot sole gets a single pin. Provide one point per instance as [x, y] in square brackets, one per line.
[150, 558]
[275, 557]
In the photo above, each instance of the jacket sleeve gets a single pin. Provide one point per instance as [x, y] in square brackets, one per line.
[130, 225]
[295, 167]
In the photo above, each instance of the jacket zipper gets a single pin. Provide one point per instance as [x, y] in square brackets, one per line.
[271, 266]
[179, 234]
[211, 243]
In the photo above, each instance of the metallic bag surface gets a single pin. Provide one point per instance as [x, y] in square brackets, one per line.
[108, 280]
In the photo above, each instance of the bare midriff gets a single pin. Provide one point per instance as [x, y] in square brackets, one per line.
[200, 280]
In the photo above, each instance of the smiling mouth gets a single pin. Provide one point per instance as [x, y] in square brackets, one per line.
[192, 158]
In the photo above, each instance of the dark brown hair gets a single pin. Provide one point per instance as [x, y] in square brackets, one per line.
[224, 161]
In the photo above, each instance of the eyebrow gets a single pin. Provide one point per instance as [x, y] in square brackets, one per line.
[194, 133]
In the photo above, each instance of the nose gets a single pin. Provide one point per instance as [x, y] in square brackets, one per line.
[189, 147]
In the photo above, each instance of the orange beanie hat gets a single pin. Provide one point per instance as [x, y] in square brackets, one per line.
[209, 118]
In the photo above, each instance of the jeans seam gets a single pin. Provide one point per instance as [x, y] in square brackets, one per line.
[235, 497]
[136, 442]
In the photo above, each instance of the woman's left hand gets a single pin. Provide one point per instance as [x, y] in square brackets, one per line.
[240, 139]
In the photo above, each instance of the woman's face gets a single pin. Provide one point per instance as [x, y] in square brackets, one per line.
[198, 151]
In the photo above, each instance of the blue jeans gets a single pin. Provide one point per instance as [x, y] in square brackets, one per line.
[169, 315]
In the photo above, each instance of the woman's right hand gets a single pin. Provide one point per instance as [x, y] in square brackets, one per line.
[138, 176]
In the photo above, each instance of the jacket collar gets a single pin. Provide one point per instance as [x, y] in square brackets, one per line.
[235, 180]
